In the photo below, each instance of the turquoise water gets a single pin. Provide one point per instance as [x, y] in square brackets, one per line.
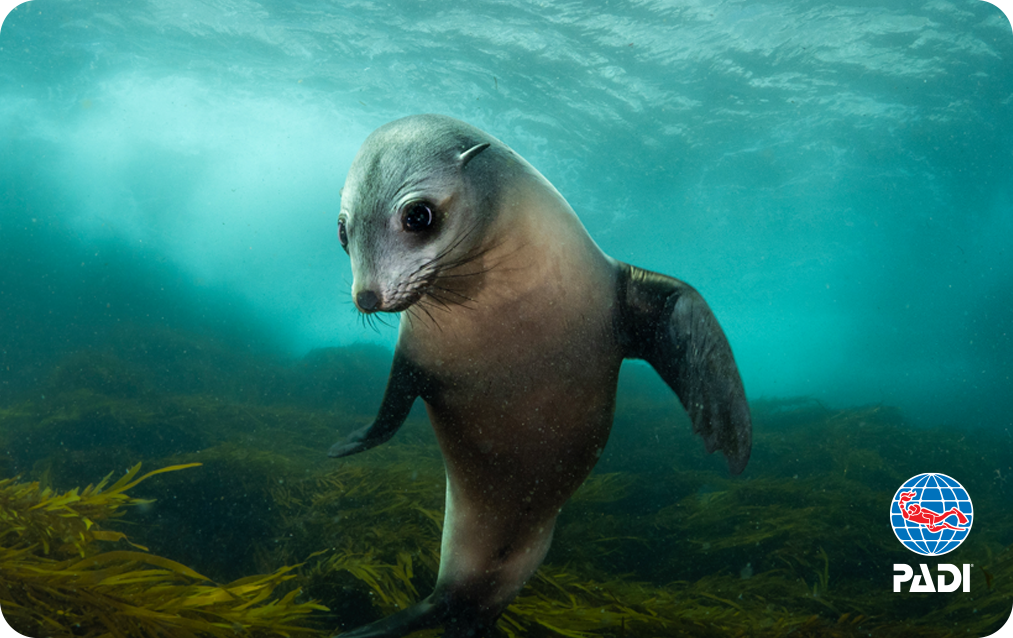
[835, 179]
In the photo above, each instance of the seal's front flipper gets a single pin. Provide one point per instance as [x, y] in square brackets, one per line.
[667, 323]
[404, 385]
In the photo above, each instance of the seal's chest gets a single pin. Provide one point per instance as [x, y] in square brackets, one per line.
[512, 335]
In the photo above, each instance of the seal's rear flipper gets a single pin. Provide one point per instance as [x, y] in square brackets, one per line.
[667, 323]
[427, 614]
[421, 615]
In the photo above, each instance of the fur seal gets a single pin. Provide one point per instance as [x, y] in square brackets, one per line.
[515, 327]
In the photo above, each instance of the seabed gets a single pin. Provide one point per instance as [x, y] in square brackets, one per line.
[242, 527]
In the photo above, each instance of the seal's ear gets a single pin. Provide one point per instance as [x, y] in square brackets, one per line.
[470, 154]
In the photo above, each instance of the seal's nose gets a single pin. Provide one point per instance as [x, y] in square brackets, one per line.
[367, 300]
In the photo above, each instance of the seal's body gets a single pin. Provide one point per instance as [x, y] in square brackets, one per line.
[516, 327]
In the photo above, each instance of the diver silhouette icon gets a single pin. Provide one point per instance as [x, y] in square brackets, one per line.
[934, 521]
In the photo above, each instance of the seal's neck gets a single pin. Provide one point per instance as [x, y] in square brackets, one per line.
[535, 257]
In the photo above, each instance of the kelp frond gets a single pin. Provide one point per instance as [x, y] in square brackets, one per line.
[55, 581]
[57, 523]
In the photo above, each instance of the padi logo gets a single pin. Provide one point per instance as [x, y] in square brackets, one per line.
[923, 583]
[931, 515]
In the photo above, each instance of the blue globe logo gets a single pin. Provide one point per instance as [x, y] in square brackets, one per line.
[931, 514]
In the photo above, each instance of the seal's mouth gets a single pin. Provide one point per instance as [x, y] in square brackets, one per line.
[367, 302]
[401, 297]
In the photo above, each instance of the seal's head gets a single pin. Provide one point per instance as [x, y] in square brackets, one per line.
[415, 206]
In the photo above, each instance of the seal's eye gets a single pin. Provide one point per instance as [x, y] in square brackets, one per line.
[417, 217]
[343, 234]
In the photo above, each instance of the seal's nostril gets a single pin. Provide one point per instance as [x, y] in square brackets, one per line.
[367, 300]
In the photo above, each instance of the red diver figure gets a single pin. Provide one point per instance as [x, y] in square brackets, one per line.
[935, 522]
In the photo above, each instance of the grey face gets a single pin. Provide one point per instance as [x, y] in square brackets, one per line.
[409, 211]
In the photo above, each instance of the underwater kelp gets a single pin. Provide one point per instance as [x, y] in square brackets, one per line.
[375, 523]
[811, 577]
[56, 580]
[93, 426]
[219, 520]
[660, 541]
[248, 509]
[391, 557]
[98, 406]
[807, 555]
